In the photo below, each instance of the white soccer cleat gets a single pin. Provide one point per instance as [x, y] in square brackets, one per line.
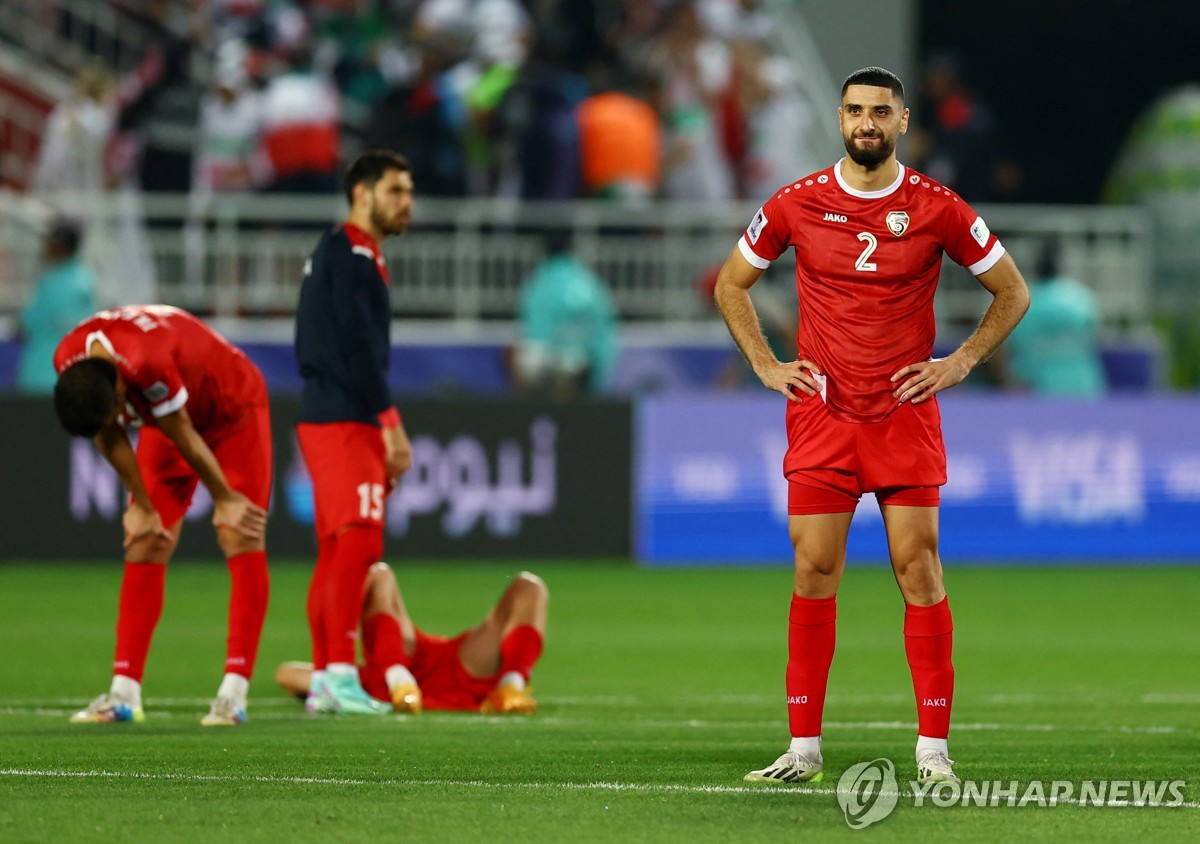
[934, 766]
[790, 767]
[224, 713]
[109, 709]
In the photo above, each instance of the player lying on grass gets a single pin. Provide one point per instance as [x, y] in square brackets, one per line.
[483, 669]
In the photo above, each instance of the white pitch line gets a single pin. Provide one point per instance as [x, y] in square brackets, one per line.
[523, 786]
[293, 712]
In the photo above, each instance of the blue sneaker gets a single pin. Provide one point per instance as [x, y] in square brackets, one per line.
[109, 709]
[224, 712]
[343, 693]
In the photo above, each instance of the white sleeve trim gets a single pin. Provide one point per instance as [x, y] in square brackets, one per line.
[751, 258]
[170, 405]
[364, 251]
[987, 261]
[98, 337]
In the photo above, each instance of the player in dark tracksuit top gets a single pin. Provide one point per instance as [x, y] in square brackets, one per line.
[351, 436]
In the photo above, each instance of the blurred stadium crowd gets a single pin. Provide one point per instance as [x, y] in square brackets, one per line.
[535, 99]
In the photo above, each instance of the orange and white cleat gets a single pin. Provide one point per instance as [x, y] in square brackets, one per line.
[508, 699]
[406, 697]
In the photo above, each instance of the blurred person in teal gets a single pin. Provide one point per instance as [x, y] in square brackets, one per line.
[63, 296]
[568, 341]
[1054, 350]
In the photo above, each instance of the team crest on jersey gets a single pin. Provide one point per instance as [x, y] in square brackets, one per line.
[756, 226]
[897, 222]
[156, 392]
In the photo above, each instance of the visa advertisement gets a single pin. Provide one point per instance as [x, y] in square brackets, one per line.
[1030, 480]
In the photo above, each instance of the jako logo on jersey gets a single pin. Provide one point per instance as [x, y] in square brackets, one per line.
[836, 218]
[897, 222]
[756, 226]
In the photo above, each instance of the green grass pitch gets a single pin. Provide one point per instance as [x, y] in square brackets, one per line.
[659, 689]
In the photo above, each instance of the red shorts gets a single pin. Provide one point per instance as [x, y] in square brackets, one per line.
[244, 453]
[444, 681]
[830, 463]
[346, 463]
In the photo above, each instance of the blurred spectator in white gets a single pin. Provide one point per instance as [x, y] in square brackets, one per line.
[63, 296]
[568, 338]
[300, 111]
[229, 155]
[72, 151]
[1055, 349]
[781, 146]
[696, 68]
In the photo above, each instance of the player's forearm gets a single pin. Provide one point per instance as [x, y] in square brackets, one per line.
[1001, 317]
[741, 318]
[113, 443]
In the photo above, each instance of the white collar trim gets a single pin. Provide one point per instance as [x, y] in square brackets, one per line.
[868, 194]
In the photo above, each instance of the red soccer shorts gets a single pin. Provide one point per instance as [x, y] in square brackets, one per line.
[244, 453]
[346, 463]
[830, 463]
[444, 681]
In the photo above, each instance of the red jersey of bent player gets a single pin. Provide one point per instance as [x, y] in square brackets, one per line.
[867, 266]
[168, 358]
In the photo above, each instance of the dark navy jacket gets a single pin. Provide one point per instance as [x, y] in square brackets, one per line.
[343, 327]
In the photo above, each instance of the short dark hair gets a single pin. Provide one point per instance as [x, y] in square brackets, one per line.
[876, 77]
[85, 396]
[369, 168]
[66, 234]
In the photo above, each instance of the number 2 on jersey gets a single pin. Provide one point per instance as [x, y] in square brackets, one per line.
[370, 501]
[862, 264]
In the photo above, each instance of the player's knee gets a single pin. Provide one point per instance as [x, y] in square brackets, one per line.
[531, 587]
[809, 566]
[380, 587]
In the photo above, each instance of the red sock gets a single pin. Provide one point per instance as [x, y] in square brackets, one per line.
[812, 632]
[315, 605]
[250, 585]
[928, 640]
[354, 552]
[520, 649]
[383, 641]
[138, 612]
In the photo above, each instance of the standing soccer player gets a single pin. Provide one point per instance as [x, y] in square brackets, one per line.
[862, 414]
[202, 407]
[351, 436]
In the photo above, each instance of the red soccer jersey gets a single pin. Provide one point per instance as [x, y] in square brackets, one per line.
[169, 359]
[867, 266]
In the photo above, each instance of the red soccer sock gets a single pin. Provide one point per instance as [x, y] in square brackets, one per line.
[315, 605]
[139, 609]
[812, 632]
[383, 641]
[250, 586]
[354, 552]
[928, 642]
[520, 650]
